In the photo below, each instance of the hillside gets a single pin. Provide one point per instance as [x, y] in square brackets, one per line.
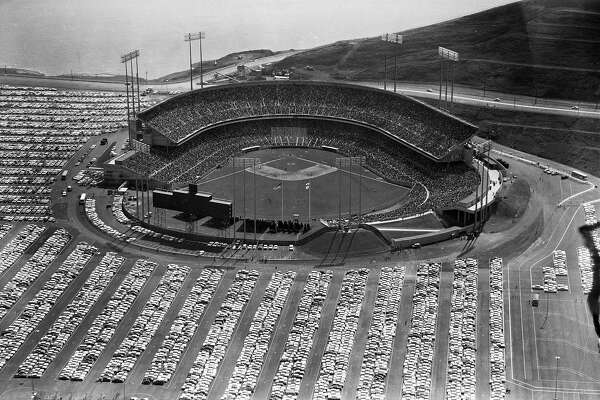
[535, 47]
[209, 65]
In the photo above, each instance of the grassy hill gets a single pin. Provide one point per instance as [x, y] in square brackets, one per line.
[548, 48]
[241, 57]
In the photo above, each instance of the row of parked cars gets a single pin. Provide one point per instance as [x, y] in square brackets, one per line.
[50, 345]
[592, 220]
[4, 229]
[206, 365]
[335, 360]
[167, 357]
[32, 191]
[145, 326]
[92, 215]
[62, 136]
[247, 369]
[18, 244]
[45, 255]
[497, 344]
[589, 212]
[462, 338]
[382, 332]
[51, 139]
[19, 212]
[552, 272]
[302, 335]
[583, 253]
[584, 260]
[117, 210]
[40, 305]
[416, 372]
[105, 324]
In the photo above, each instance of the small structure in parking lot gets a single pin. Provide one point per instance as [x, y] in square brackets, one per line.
[535, 300]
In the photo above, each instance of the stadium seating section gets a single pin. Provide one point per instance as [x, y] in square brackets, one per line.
[195, 159]
[409, 120]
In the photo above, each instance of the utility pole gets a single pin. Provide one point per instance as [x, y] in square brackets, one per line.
[201, 77]
[556, 379]
[189, 39]
[395, 72]
[385, 73]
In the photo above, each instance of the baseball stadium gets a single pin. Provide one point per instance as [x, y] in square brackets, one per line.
[365, 155]
[412, 215]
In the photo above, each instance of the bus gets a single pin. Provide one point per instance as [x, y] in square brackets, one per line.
[579, 175]
[82, 199]
[63, 176]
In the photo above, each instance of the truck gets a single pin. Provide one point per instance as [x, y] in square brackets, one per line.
[63, 176]
[579, 175]
[82, 199]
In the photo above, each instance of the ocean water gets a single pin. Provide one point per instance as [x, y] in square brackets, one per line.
[88, 36]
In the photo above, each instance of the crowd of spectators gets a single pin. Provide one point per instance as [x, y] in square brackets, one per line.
[403, 117]
[433, 186]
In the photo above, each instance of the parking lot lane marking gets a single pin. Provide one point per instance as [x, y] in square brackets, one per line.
[590, 188]
[482, 388]
[56, 366]
[442, 333]
[567, 228]
[394, 380]
[227, 365]
[561, 190]
[570, 344]
[277, 345]
[314, 360]
[189, 355]
[360, 339]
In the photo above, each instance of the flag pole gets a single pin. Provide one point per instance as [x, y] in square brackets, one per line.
[309, 189]
[282, 201]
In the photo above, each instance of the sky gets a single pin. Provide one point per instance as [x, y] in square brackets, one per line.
[88, 36]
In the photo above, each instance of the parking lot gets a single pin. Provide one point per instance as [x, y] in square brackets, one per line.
[95, 322]
[41, 129]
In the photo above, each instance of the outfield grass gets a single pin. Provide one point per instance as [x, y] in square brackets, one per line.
[329, 191]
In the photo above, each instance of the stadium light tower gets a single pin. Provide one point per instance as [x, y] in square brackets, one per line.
[395, 38]
[447, 57]
[129, 80]
[244, 163]
[190, 37]
[349, 162]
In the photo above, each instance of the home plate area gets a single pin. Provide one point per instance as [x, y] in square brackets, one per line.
[291, 168]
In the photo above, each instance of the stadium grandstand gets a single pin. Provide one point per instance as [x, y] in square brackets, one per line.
[425, 129]
[404, 141]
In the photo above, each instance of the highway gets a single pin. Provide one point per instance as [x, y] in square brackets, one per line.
[462, 95]
[470, 96]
